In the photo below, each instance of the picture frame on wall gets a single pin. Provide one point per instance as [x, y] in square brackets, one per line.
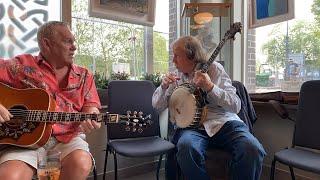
[140, 12]
[266, 12]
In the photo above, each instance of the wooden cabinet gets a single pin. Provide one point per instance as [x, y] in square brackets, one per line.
[209, 22]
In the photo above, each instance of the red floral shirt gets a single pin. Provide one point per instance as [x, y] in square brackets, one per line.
[27, 71]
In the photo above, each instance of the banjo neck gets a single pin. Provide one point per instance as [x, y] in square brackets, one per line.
[235, 27]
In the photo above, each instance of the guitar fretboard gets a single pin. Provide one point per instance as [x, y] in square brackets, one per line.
[47, 116]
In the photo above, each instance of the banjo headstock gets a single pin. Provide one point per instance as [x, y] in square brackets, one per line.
[235, 28]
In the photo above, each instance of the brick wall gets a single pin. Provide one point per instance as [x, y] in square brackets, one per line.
[172, 29]
[250, 78]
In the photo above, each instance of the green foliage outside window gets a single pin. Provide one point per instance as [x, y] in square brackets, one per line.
[102, 81]
[155, 78]
[303, 38]
[101, 43]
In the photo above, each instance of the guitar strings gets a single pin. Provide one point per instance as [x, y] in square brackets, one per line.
[60, 116]
[44, 116]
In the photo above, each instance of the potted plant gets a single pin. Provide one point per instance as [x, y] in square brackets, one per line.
[120, 76]
[156, 78]
[102, 82]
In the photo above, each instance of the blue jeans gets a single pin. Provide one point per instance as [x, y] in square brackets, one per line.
[234, 137]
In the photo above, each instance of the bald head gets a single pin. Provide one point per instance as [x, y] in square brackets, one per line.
[47, 30]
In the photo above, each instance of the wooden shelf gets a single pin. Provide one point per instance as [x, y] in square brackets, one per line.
[217, 9]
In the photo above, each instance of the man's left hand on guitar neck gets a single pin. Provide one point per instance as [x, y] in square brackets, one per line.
[88, 125]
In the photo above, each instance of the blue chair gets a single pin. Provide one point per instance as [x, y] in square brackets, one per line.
[135, 96]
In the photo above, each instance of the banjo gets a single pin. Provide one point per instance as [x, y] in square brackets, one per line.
[187, 103]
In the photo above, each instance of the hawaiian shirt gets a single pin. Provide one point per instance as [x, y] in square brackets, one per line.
[27, 71]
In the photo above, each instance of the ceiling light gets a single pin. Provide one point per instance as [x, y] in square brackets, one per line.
[202, 17]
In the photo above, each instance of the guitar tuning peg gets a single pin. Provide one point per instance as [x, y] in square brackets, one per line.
[140, 130]
[147, 117]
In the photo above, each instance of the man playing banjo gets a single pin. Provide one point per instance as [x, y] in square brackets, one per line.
[221, 126]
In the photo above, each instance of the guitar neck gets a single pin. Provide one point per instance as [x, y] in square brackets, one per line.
[47, 116]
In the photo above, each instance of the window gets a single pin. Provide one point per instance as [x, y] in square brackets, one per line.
[106, 46]
[161, 38]
[288, 53]
[19, 22]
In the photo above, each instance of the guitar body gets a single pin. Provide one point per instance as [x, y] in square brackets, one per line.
[34, 113]
[22, 133]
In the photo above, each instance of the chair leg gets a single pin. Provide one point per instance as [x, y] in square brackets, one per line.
[179, 172]
[292, 173]
[159, 165]
[273, 166]
[95, 176]
[105, 163]
[115, 165]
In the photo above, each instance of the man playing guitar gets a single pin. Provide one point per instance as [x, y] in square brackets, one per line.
[73, 89]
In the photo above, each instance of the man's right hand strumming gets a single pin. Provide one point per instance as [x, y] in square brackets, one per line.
[168, 79]
[4, 114]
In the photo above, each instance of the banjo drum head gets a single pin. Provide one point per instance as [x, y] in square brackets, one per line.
[182, 107]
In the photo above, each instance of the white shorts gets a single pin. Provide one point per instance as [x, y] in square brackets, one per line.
[29, 156]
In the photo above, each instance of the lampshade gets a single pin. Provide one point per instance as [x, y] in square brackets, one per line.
[202, 17]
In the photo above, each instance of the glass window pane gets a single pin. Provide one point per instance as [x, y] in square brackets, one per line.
[160, 52]
[161, 38]
[107, 46]
[290, 54]
[19, 22]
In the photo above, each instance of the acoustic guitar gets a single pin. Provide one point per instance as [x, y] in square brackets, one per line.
[33, 116]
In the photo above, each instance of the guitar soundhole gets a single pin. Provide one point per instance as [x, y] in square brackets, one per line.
[16, 121]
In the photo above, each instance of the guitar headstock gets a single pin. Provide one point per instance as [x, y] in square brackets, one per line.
[134, 121]
[235, 27]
